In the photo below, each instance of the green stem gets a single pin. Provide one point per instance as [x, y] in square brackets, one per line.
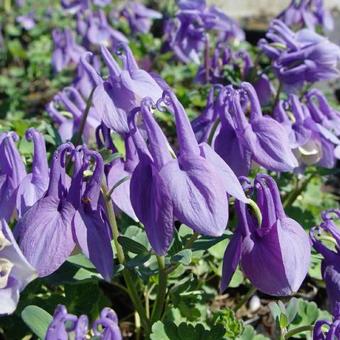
[79, 134]
[130, 282]
[213, 130]
[297, 330]
[191, 240]
[256, 211]
[7, 6]
[245, 299]
[290, 199]
[161, 292]
[277, 98]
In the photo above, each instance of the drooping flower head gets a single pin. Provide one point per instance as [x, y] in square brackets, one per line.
[191, 188]
[330, 267]
[306, 13]
[304, 56]
[273, 251]
[66, 51]
[65, 325]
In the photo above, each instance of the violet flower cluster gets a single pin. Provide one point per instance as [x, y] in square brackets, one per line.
[187, 34]
[65, 325]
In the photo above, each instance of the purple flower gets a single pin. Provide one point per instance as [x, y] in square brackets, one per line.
[124, 89]
[273, 254]
[306, 13]
[95, 29]
[34, 185]
[261, 137]
[322, 112]
[75, 6]
[16, 272]
[304, 56]
[75, 105]
[139, 17]
[327, 330]
[190, 188]
[67, 215]
[26, 21]
[12, 172]
[330, 268]
[65, 324]
[119, 171]
[66, 51]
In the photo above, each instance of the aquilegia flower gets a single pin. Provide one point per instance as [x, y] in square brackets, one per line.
[304, 56]
[306, 13]
[66, 51]
[259, 138]
[16, 272]
[75, 6]
[65, 325]
[66, 216]
[26, 21]
[12, 172]
[96, 30]
[139, 17]
[191, 188]
[273, 254]
[118, 171]
[327, 330]
[34, 185]
[330, 267]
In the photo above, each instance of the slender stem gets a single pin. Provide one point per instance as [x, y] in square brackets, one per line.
[213, 130]
[290, 199]
[245, 298]
[161, 292]
[120, 287]
[121, 181]
[147, 302]
[79, 134]
[138, 328]
[297, 330]
[256, 211]
[130, 282]
[277, 98]
[7, 6]
[191, 240]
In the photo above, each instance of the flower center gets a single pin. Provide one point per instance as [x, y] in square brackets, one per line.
[3, 241]
[5, 269]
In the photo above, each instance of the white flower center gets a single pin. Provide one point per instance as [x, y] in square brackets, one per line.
[3, 241]
[5, 269]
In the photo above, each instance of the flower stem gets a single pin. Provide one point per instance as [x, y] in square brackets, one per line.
[297, 330]
[290, 199]
[277, 98]
[161, 292]
[245, 299]
[7, 6]
[130, 282]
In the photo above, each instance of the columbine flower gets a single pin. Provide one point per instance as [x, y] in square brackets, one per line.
[26, 21]
[261, 138]
[274, 254]
[327, 330]
[139, 17]
[12, 172]
[34, 185]
[330, 268]
[75, 6]
[16, 272]
[64, 325]
[304, 56]
[75, 105]
[67, 215]
[119, 170]
[191, 188]
[322, 112]
[124, 89]
[95, 29]
[66, 50]
[306, 13]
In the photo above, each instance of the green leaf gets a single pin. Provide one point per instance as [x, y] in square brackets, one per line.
[130, 245]
[292, 309]
[37, 320]
[184, 256]
[283, 321]
[206, 242]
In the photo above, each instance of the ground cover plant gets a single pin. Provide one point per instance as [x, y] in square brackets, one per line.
[161, 177]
